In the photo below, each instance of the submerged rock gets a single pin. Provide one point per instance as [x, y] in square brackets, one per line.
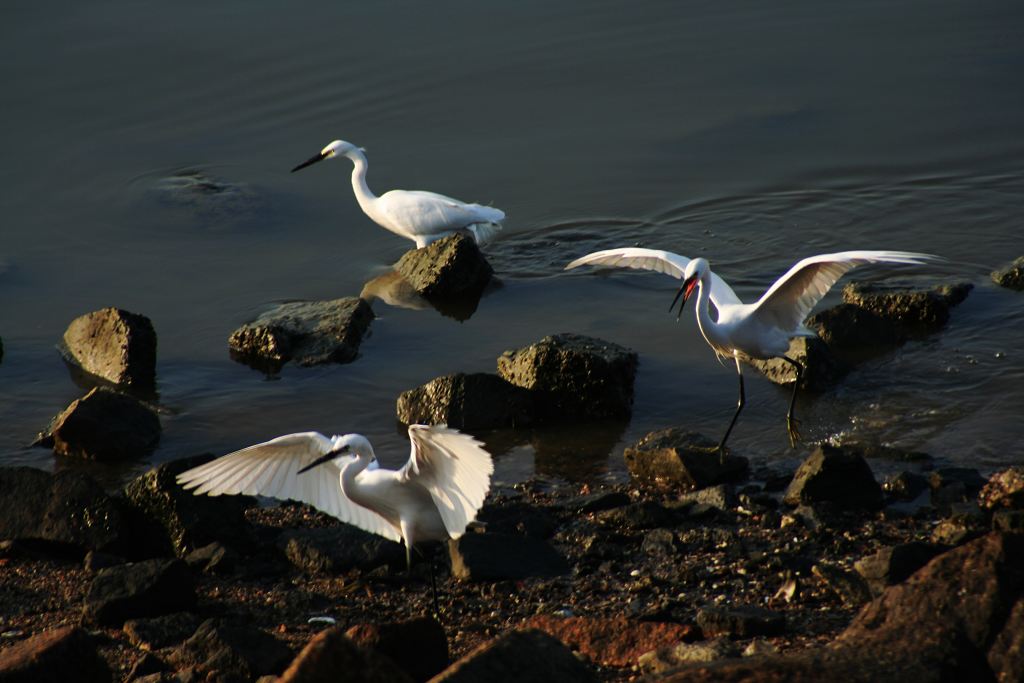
[307, 332]
[835, 475]
[574, 376]
[467, 401]
[678, 458]
[529, 655]
[103, 425]
[1011, 276]
[114, 344]
[450, 267]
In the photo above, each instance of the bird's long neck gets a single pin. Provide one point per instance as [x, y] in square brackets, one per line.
[708, 327]
[348, 477]
[363, 194]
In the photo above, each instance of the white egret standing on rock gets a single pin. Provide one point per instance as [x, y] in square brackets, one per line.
[432, 498]
[423, 217]
[760, 330]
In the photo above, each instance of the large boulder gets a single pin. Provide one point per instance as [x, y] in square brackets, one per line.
[103, 425]
[114, 344]
[500, 557]
[914, 311]
[475, 401]
[837, 476]
[64, 654]
[574, 377]
[680, 459]
[1012, 276]
[236, 651]
[182, 521]
[331, 656]
[418, 646]
[307, 332]
[518, 656]
[68, 509]
[140, 589]
[450, 267]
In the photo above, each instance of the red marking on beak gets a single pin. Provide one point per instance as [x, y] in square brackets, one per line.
[690, 285]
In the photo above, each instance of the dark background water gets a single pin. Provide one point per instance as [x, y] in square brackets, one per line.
[748, 133]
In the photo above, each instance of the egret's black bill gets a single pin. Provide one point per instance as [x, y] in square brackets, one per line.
[319, 461]
[310, 162]
[685, 290]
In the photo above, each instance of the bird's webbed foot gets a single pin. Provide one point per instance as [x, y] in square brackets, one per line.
[793, 430]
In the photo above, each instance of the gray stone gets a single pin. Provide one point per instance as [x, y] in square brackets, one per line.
[68, 509]
[115, 345]
[63, 654]
[500, 557]
[821, 368]
[338, 549]
[307, 332]
[895, 564]
[677, 458]
[450, 267]
[835, 475]
[1011, 276]
[519, 656]
[740, 622]
[103, 425]
[574, 377]
[180, 521]
[236, 651]
[140, 589]
[473, 401]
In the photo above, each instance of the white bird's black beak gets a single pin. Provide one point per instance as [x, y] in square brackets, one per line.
[685, 290]
[327, 457]
[309, 162]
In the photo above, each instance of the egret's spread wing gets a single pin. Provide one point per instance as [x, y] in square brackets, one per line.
[425, 213]
[454, 468]
[271, 469]
[788, 302]
[660, 262]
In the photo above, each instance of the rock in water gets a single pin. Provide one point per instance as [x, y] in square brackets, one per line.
[450, 267]
[677, 458]
[475, 401]
[114, 344]
[1012, 276]
[63, 654]
[308, 332]
[916, 311]
[103, 425]
[821, 368]
[574, 377]
[835, 475]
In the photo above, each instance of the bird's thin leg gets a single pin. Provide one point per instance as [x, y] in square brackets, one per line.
[792, 426]
[433, 587]
[739, 407]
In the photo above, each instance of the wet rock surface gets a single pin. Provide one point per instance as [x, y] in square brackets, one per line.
[450, 267]
[821, 367]
[306, 332]
[573, 376]
[1012, 276]
[835, 475]
[915, 311]
[467, 401]
[678, 458]
[103, 425]
[115, 345]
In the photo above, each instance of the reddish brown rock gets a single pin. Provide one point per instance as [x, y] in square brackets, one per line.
[418, 646]
[518, 656]
[57, 656]
[615, 642]
[330, 657]
[114, 344]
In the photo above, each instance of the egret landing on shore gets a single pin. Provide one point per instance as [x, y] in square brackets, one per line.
[432, 498]
[423, 217]
[759, 330]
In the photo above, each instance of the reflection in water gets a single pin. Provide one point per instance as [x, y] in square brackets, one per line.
[394, 290]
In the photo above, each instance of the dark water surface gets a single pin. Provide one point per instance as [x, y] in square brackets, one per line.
[750, 134]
